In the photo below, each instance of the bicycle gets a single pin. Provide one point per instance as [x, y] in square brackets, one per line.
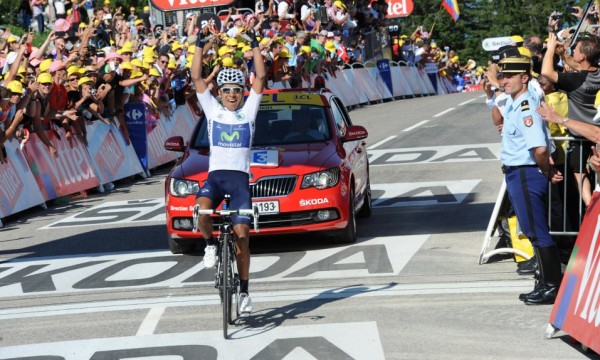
[227, 280]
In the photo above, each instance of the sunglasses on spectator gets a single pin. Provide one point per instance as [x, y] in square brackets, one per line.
[73, 79]
[46, 84]
[164, 62]
[229, 90]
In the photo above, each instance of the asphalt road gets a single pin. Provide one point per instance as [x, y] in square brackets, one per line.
[93, 279]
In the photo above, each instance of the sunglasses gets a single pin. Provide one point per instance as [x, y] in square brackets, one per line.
[229, 90]
[46, 84]
[73, 79]
[164, 62]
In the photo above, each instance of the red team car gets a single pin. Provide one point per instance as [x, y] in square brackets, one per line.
[309, 170]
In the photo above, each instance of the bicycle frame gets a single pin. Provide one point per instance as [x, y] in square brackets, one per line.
[227, 280]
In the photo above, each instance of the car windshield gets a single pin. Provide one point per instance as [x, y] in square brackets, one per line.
[281, 125]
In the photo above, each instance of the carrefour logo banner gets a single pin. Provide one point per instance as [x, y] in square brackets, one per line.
[231, 135]
[577, 307]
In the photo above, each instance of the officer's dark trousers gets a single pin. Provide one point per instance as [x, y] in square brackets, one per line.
[528, 192]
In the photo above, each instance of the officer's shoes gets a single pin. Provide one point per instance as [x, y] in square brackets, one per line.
[527, 267]
[536, 288]
[545, 295]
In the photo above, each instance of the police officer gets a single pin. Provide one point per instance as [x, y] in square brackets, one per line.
[527, 167]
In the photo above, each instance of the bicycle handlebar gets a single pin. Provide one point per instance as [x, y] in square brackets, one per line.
[229, 212]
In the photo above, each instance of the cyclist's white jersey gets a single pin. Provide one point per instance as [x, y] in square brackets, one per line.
[230, 132]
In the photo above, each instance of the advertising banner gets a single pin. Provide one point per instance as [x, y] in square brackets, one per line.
[172, 5]
[135, 116]
[18, 189]
[114, 160]
[69, 172]
[385, 72]
[576, 309]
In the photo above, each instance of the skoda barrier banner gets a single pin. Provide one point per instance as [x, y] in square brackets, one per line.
[576, 310]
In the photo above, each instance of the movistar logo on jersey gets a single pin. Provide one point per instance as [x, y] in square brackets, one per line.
[231, 135]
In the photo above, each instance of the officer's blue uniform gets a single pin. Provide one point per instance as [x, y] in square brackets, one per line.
[527, 186]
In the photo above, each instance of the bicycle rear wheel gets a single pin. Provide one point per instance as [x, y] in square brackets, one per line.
[225, 288]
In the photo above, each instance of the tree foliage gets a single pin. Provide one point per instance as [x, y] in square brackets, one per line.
[482, 19]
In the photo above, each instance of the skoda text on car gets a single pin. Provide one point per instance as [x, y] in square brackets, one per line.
[309, 170]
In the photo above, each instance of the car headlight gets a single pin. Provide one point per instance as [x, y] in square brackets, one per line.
[321, 179]
[183, 188]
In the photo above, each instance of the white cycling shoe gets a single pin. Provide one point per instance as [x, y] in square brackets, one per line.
[244, 304]
[210, 256]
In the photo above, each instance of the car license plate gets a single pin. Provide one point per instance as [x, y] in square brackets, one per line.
[267, 207]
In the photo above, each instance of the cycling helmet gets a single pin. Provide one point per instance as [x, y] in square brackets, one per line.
[231, 76]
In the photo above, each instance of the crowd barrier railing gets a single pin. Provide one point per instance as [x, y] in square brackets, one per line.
[31, 176]
[566, 206]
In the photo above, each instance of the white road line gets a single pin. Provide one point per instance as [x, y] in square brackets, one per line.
[508, 286]
[381, 142]
[443, 112]
[415, 126]
[466, 102]
[484, 95]
[150, 321]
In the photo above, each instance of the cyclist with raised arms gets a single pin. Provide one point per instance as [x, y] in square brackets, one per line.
[230, 132]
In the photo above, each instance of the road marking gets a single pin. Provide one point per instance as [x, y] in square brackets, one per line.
[484, 95]
[435, 154]
[150, 321]
[381, 142]
[357, 340]
[422, 193]
[467, 287]
[415, 125]
[85, 273]
[466, 102]
[443, 112]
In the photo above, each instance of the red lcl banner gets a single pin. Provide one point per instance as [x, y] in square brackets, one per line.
[171, 5]
[576, 310]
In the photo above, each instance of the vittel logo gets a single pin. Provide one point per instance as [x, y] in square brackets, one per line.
[309, 202]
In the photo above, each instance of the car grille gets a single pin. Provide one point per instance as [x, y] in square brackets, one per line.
[273, 186]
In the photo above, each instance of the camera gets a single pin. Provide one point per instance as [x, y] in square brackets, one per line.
[93, 91]
[557, 16]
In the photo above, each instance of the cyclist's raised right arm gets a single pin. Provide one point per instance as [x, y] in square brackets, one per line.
[196, 69]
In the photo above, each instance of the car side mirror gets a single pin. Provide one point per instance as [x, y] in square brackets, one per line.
[175, 143]
[355, 132]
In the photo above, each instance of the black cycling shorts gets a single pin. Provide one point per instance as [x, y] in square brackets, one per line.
[234, 183]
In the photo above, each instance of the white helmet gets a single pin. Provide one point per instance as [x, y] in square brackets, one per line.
[231, 76]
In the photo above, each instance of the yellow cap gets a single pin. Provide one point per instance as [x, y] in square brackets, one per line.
[191, 49]
[517, 38]
[264, 41]
[188, 61]
[82, 25]
[232, 42]
[74, 70]
[124, 50]
[136, 62]
[11, 39]
[154, 72]
[106, 2]
[126, 66]
[285, 54]
[21, 70]
[455, 59]
[524, 52]
[145, 66]
[139, 22]
[136, 74]
[69, 12]
[330, 46]
[146, 8]
[176, 46]
[228, 62]
[148, 59]
[84, 80]
[15, 86]
[45, 65]
[223, 50]
[305, 50]
[246, 48]
[172, 64]
[44, 78]
[340, 4]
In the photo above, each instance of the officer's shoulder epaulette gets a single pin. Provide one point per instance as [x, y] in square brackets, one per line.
[524, 105]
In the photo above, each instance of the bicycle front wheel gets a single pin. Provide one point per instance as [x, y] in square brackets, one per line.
[226, 282]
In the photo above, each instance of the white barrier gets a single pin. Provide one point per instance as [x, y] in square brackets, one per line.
[18, 188]
[412, 80]
[429, 88]
[380, 86]
[400, 83]
[113, 159]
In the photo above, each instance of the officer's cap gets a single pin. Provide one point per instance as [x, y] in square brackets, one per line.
[515, 65]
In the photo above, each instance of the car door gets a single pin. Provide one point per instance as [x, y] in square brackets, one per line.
[356, 153]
